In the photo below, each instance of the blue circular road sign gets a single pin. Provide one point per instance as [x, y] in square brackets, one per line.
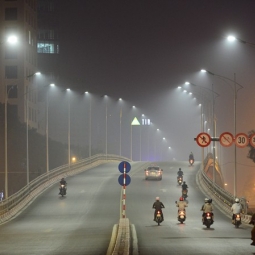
[121, 180]
[126, 165]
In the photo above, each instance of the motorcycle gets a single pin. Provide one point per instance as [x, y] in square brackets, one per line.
[159, 217]
[181, 216]
[208, 220]
[237, 220]
[62, 190]
[179, 180]
[191, 161]
[184, 193]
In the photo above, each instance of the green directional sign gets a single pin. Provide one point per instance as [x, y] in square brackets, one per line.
[135, 122]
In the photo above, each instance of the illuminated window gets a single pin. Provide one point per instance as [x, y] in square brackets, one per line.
[47, 47]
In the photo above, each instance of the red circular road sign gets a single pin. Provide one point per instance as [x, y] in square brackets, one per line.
[226, 139]
[241, 140]
[252, 140]
[203, 139]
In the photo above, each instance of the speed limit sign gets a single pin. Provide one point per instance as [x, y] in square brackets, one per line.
[241, 140]
[252, 140]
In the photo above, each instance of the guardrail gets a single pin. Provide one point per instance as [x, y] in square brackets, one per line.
[220, 196]
[15, 203]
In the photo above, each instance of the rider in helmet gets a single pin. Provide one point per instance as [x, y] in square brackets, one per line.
[191, 156]
[181, 204]
[184, 186]
[62, 182]
[180, 172]
[158, 205]
[207, 207]
[236, 208]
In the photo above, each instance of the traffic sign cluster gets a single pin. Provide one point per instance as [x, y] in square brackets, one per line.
[226, 139]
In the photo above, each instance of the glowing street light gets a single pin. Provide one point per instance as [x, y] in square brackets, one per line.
[232, 38]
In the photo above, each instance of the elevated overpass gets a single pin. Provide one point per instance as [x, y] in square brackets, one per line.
[88, 220]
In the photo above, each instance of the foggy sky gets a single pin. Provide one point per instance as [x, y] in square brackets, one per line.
[142, 50]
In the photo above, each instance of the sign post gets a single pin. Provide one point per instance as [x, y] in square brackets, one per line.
[124, 180]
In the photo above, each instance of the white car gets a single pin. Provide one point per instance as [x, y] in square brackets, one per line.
[153, 172]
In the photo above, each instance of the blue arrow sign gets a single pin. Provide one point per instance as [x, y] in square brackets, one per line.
[121, 180]
[121, 166]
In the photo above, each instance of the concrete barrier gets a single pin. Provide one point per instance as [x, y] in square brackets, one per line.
[122, 245]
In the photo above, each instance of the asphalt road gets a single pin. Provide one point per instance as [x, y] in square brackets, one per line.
[172, 238]
[78, 224]
[81, 223]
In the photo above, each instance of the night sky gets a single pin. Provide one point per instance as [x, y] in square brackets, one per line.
[142, 50]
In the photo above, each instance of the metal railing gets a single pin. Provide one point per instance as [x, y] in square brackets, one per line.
[13, 204]
[222, 196]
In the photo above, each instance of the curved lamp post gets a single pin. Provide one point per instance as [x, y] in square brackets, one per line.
[235, 99]
[214, 95]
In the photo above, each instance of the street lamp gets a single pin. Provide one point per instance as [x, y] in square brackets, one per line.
[7, 91]
[235, 99]
[232, 38]
[214, 95]
[27, 122]
[106, 125]
[10, 40]
[69, 131]
[87, 93]
[47, 128]
[120, 100]
[131, 135]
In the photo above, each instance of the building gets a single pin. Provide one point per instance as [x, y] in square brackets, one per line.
[19, 61]
[36, 50]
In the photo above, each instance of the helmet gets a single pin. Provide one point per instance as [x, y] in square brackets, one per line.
[210, 200]
[206, 200]
[157, 198]
[181, 199]
[62, 179]
[237, 200]
[184, 182]
[180, 169]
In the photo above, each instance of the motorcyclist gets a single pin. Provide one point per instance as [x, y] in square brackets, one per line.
[184, 190]
[181, 204]
[180, 172]
[158, 205]
[191, 156]
[62, 182]
[236, 208]
[185, 186]
[207, 207]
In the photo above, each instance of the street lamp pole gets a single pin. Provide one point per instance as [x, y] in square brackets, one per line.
[7, 91]
[235, 99]
[47, 129]
[120, 122]
[27, 122]
[69, 132]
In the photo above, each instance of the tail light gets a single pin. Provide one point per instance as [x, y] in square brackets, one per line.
[208, 214]
[237, 216]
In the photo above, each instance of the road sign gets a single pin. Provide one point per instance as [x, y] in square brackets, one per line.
[252, 140]
[123, 165]
[127, 179]
[135, 122]
[241, 140]
[226, 139]
[203, 139]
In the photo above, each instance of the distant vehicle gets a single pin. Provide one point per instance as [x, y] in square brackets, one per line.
[153, 172]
